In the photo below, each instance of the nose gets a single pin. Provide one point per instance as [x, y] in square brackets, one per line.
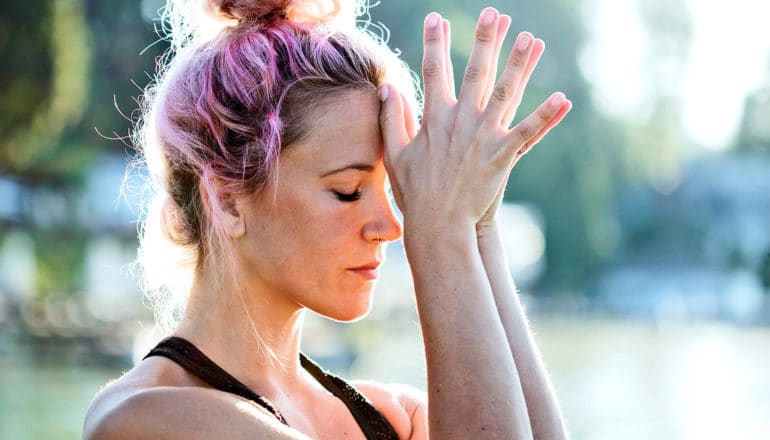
[383, 225]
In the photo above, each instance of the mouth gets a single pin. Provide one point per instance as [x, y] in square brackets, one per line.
[369, 271]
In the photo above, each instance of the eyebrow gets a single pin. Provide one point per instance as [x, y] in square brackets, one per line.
[354, 166]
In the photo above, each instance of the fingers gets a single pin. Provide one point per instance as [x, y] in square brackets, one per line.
[560, 114]
[506, 94]
[566, 107]
[538, 46]
[527, 132]
[478, 71]
[434, 70]
[410, 120]
[448, 57]
[392, 124]
[502, 29]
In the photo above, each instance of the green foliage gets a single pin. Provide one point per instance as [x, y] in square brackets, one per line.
[70, 70]
[67, 64]
[25, 34]
[36, 130]
[59, 258]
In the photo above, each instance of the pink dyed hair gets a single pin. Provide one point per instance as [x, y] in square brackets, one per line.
[217, 121]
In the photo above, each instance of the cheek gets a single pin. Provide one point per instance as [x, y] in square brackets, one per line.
[308, 233]
[305, 250]
[327, 235]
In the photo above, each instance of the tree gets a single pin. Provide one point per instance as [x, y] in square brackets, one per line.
[67, 65]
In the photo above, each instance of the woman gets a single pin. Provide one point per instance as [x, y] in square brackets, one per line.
[272, 144]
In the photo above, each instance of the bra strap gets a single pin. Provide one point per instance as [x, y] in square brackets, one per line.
[373, 424]
[184, 353]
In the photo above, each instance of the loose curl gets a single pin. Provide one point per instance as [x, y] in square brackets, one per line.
[220, 114]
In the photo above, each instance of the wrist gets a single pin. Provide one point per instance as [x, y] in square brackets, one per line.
[487, 228]
[435, 237]
[437, 226]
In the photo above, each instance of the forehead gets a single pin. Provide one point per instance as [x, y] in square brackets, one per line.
[343, 129]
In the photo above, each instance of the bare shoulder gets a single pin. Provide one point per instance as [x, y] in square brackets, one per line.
[405, 406]
[154, 402]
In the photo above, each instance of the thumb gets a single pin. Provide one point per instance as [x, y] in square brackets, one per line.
[392, 122]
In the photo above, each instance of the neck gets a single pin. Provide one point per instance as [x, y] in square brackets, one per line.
[251, 333]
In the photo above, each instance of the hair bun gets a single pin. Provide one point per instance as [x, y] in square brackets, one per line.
[246, 10]
[253, 11]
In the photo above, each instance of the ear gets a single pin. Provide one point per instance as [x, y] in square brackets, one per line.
[229, 211]
[232, 211]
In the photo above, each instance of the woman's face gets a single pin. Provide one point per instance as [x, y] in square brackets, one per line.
[318, 242]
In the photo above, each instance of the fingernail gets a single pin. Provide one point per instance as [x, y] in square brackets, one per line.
[522, 44]
[557, 99]
[384, 92]
[488, 16]
[432, 20]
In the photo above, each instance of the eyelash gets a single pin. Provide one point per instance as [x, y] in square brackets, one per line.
[352, 197]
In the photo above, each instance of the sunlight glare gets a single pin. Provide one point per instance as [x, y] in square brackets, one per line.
[523, 240]
[613, 58]
[728, 61]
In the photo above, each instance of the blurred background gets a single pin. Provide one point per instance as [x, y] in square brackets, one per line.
[638, 231]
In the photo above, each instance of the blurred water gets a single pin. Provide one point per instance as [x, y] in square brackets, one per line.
[44, 393]
[619, 380]
[615, 380]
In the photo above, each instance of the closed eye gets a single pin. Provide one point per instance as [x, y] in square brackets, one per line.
[348, 197]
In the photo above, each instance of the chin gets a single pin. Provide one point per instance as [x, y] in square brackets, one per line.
[349, 317]
[352, 311]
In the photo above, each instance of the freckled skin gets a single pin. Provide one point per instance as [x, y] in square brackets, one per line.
[296, 243]
[300, 247]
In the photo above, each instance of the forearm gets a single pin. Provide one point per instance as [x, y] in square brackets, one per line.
[543, 408]
[473, 385]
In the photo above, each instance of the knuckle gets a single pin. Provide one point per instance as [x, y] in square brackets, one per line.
[516, 62]
[433, 36]
[502, 92]
[431, 67]
[484, 37]
[473, 74]
[543, 115]
[525, 132]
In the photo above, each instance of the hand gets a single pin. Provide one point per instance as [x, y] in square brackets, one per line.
[519, 58]
[455, 167]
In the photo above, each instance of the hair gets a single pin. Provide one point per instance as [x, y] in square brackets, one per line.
[224, 106]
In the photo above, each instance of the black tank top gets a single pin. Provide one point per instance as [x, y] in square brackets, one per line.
[373, 424]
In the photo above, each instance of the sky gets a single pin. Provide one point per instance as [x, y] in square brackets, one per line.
[728, 59]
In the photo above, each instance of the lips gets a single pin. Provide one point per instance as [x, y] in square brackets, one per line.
[369, 271]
